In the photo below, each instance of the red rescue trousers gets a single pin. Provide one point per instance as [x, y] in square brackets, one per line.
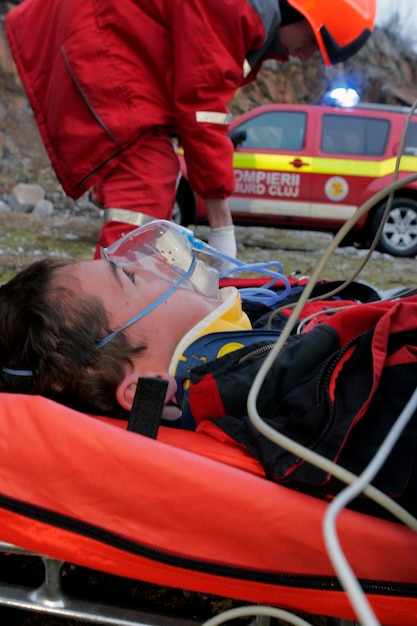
[144, 182]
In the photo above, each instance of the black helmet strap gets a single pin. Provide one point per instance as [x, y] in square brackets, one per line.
[338, 54]
[289, 15]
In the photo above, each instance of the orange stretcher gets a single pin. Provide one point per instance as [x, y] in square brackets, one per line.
[183, 511]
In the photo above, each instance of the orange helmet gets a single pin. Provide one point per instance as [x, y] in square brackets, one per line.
[341, 27]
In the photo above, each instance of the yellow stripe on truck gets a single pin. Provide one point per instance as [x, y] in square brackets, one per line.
[271, 162]
[319, 165]
[348, 167]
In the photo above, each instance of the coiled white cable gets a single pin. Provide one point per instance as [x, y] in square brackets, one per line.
[246, 611]
[289, 444]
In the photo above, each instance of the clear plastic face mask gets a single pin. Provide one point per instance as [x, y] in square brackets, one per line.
[163, 249]
[166, 250]
[169, 251]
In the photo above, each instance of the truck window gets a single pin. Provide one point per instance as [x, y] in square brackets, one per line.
[275, 130]
[349, 135]
[411, 140]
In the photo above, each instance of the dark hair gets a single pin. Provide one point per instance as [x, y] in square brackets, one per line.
[53, 331]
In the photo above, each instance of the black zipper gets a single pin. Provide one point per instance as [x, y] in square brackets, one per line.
[323, 384]
[110, 538]
[328, 366]
[256, 352]
[323, 378]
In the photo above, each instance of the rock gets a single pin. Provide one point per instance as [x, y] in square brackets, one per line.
[24, 196]
[43, 208]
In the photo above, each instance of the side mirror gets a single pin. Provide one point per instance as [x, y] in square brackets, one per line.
[238, 137]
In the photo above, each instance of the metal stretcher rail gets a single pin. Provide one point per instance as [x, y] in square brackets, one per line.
[49, 598]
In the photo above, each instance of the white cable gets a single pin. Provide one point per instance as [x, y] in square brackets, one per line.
[245, 611]
[347, 578]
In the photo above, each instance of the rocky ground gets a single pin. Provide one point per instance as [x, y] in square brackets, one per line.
[25, 238]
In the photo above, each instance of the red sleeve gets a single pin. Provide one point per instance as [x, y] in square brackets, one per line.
[211, 42]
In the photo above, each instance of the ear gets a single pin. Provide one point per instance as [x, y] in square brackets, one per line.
[125, 392]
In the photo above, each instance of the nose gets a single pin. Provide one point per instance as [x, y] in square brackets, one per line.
[306, 52]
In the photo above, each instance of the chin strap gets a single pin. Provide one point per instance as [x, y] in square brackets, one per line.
[148, 404]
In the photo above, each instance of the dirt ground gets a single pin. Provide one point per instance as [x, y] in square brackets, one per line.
[25, 238]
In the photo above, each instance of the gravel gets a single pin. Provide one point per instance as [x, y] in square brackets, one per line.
[25, 238]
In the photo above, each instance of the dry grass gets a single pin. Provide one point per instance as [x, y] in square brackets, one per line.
[25, 238]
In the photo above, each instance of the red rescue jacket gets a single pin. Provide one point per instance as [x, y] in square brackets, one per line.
[101, 74]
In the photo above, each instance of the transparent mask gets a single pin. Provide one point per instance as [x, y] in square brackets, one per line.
[166, 250]
[169, 251]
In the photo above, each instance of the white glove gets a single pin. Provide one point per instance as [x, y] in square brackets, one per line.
[223, 239]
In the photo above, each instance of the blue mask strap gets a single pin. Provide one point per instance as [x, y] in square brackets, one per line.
[8, 370]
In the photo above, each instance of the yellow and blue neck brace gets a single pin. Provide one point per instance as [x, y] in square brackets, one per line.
[224, 330]
[228, 316]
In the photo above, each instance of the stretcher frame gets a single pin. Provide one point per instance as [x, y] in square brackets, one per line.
[49, 598]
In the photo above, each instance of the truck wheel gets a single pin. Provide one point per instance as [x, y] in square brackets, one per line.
[399, 237]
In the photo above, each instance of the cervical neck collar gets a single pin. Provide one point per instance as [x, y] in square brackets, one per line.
[227, 317]
[223, 331]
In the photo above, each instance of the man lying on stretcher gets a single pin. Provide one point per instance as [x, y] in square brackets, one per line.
[83, 333]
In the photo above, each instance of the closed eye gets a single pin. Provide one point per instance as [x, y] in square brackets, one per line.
[130, 275]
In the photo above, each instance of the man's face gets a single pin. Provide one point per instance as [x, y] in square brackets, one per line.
[126, 292]
[298, 40]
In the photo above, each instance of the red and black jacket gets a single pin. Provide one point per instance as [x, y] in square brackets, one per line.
[336, 389]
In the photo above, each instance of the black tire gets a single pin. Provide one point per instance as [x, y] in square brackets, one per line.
[185, 204]
[399, 237]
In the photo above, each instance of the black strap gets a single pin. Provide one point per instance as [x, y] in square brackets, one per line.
[147, 407]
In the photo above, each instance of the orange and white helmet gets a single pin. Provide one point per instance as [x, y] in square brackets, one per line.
[341, 27]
